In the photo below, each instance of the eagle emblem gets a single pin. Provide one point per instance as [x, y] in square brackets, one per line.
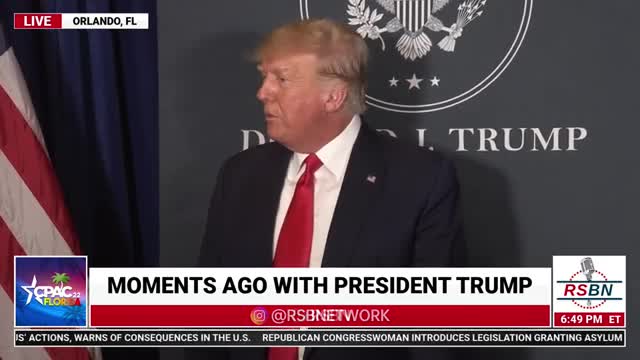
[414, 18]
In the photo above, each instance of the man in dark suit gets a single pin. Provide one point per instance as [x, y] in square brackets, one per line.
[329, 191]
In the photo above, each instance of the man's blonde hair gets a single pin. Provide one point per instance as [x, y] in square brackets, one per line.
[342, 53]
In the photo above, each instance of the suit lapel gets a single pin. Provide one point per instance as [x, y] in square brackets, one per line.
[362, 182]
[266, 205]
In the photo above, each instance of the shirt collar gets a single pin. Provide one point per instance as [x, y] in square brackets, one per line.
[335, 154]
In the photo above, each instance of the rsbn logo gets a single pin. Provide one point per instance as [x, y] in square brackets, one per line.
[588, 287]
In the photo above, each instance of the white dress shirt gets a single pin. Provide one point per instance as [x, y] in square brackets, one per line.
[328, 181]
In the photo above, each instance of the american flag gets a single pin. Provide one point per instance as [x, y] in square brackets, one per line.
[33, 216]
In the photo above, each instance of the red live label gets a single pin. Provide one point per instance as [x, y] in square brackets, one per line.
[588, 319]
[37, 21]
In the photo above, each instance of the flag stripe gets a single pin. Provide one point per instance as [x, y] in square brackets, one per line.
[404, 13]
[24, 216]
[9, 247]
[25, 153]
[410, 15]
[418, 8]
[13, 83]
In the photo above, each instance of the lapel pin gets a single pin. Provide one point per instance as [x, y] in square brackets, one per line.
[371, 179]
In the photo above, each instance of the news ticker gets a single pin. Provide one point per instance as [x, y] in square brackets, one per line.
[577, 292]
[323, 337]
[53, 21]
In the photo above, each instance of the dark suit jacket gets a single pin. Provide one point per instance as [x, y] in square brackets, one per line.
[408, 217]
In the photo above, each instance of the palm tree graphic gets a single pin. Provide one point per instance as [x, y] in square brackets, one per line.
[60, 279]
[75, 315]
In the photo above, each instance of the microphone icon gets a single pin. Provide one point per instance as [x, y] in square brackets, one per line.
[587, 269]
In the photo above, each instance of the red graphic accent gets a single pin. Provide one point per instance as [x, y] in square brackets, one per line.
[396, 315]
[37, 21]
[584, 319]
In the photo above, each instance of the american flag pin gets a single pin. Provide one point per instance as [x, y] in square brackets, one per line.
[371, 179]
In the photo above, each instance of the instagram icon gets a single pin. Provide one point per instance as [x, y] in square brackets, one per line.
[259, 315]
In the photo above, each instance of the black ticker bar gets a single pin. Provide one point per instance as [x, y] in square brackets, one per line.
[323, 337]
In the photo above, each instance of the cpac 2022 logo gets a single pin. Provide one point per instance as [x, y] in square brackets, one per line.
[50, 291]
[48, 295]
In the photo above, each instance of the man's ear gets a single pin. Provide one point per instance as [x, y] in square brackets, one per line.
[336, 97]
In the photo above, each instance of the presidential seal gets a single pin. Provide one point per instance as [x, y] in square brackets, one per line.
[430, 55]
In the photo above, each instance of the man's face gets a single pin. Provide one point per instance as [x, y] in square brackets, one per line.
[292, 96]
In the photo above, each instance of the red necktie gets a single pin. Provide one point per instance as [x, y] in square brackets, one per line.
[294, 241]
[296, 234]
